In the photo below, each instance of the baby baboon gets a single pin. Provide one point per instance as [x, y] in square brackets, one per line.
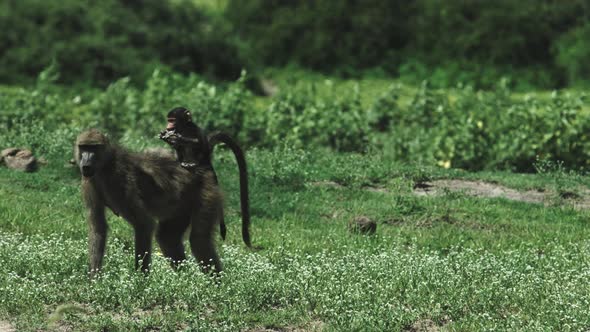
[194, 149]
[142, 188]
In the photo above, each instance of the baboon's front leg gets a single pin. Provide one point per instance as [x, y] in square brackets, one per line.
[97, 237]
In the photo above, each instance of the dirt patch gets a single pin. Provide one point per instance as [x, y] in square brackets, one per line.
[375, 189]
[423, 325]
[580, 199]
[6, 327]
[329, 184]
[480, 189]
[313, 326]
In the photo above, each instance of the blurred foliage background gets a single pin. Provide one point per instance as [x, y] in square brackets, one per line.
[537, 43]
[449, 83]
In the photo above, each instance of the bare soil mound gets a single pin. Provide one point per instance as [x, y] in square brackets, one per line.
[579, 199]
[6, 327]
[480, 189]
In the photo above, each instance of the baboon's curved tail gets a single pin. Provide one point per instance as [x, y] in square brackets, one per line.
[220, 137]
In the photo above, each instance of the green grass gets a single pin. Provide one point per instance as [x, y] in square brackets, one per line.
[464, 263]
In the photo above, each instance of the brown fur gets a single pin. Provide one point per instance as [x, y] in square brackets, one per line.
[194, 148]
[143, 188]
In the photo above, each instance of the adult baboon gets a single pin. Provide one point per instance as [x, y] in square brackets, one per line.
[194, 149]
[142, 188]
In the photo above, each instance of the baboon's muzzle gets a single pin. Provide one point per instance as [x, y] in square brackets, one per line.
[87, 164]
[87, 171]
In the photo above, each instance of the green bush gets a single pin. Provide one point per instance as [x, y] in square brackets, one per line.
[308, 118]
[446, 42]
[573, 52]
[491, 130]
[100, 42]
[462, 128]
[534, 43]
[123, 108]
[480, 75]
[322, 35]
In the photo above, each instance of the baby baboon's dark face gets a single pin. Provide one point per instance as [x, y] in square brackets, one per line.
[178, 119]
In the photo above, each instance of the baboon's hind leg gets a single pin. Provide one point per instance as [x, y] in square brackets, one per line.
[222, 228]
[201, 237]
[143, 244]
[169, 236]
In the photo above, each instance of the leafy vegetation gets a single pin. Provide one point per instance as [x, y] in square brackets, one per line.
[322, 151]
[534, 43]
[100, 42]
[462, 127]
[452, 260]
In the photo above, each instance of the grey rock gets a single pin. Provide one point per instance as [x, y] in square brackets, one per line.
[362, 225]
[19, 159]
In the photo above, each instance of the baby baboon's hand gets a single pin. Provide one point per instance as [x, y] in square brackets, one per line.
[188, 166]
[169, 136]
